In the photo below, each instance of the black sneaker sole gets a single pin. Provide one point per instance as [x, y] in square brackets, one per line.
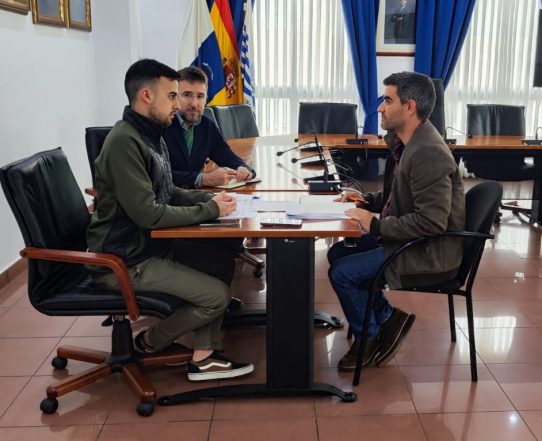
[383, 358]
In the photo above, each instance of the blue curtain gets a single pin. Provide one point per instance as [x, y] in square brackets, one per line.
[360, 17]
[441, 27]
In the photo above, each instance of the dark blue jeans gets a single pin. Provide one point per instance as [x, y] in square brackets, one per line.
[351, 270]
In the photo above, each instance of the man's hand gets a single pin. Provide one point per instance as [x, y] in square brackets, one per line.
[226, 203]
[363, 217]
[350, 196]
[243, 174]
[218, 176]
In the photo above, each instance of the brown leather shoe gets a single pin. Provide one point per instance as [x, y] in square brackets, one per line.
[392, 334]
[348, 362]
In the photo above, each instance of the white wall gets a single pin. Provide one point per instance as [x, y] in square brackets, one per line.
[57, 81]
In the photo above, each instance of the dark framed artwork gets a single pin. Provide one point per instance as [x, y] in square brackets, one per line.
[51, 12]
[19, 6]
[78, 13]
[396, 30]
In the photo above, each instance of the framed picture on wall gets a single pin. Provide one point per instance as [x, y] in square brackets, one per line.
[49, 12]
[19, 6]
[79, 14]
[396, 29]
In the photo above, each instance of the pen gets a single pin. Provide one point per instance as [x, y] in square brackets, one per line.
[204, 165]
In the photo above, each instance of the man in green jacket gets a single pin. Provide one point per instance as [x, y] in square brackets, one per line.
[133, 181]
[423, 196]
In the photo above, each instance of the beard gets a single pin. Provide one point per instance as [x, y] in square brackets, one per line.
[162, 119]
[190, 117]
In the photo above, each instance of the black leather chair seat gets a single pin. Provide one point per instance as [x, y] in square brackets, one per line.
[87, 299]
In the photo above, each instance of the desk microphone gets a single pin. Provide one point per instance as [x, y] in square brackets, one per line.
[535, 141]
[280, 153]
[453, 140]
[294, 160]
[357, 139]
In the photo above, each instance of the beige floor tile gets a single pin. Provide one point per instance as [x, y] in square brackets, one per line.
[89, 327]
[261, 408]
[376, 428]
[264, 428]
[27, 322]
[440, 389]
[492, 314]
[54, 433]
[10, 387]
[14, 291]
[381, 391]
[495, 426]
[518, 288]
[164, 431]
[533, 419]
[522, 383]
[509, 345]
[26, 355]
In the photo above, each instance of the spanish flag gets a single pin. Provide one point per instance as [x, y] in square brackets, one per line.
[209, 41]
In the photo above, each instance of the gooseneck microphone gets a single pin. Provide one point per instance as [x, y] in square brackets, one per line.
[281, 152]
[357, 139]
[535, 141]
[453, 140]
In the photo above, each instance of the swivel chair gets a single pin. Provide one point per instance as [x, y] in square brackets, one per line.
[499, 120]
[326, 118]
[481, 205]
[437, 117]
[236, 121]
[208, 112]
[52, 216]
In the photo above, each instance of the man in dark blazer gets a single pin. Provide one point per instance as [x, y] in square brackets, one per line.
[193, 140]
[423, 195]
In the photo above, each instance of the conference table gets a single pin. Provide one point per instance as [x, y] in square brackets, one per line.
[289, 304]
[279, 173]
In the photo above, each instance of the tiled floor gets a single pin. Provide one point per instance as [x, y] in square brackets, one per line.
[424, 393]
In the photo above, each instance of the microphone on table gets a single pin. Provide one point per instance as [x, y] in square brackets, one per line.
[357, 139]
[535, 141]
[453, 140]
[281, 152]
[320, 161]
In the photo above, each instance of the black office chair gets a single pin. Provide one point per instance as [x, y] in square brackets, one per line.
[52, 216]
[503, 120]
[327, 118]
[481, 205]
[236, 121]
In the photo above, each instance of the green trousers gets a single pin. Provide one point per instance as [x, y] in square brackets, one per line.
[198, 272]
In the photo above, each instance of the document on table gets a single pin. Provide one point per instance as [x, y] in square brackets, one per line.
[320, 207]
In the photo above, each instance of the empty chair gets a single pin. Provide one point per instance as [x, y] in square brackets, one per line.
[437, 116]
[327, 118]
[236, 121]
[52, 216]
[208, 112]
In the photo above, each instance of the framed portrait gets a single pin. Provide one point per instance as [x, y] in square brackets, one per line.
[78, 12]
[19, 6]
[49, 12]
[396, 29]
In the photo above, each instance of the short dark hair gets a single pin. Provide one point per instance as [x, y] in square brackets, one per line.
[142, 73]
[192, 74]
[417, 87]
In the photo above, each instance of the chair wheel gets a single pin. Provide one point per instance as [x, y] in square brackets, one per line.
[145, 408]
[49, 405]
[257, 272]
[59, 362]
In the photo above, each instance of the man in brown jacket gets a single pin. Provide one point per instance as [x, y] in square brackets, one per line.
[423, 195]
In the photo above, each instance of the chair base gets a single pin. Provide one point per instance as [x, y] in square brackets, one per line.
[254, 261]
[122, 359]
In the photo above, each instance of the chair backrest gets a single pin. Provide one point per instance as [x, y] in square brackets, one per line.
[327, 118]
[481, 205]
[236, 121]
[51, 213]
[495, 119]
[437, 117]
[208, 112]
[94, 140]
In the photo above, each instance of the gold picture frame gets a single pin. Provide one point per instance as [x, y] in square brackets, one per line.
[396, 28]
[78, 13]
[18, 6]
[51, 12]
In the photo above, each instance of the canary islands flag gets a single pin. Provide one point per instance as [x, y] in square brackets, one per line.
[208, 41]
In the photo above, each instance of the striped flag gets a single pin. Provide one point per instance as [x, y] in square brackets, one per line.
[209, 42]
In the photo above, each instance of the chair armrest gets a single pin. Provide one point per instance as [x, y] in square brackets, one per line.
[110, 261]
[407, 245]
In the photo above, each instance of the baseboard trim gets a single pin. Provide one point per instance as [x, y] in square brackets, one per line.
[9, 274]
